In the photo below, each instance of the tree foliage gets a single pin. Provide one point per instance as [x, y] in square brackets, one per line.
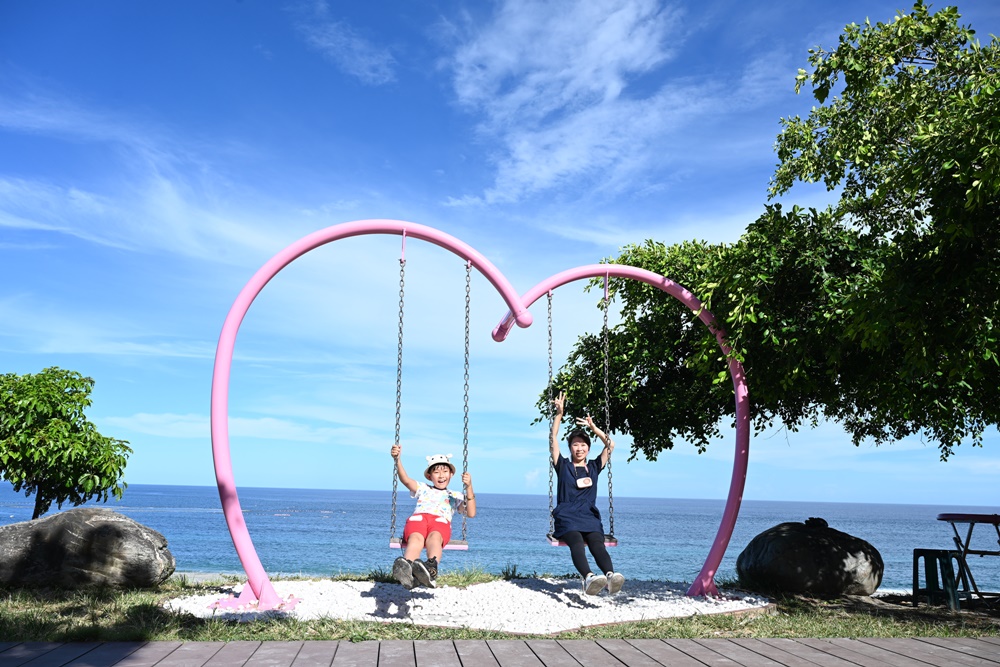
[879, 312]
[47, 445]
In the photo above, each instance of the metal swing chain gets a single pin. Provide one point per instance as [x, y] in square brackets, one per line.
[399, 389]
[465, 423]
[607, 410]
[552, 409]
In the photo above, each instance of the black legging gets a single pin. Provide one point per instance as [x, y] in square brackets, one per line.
[595, 541]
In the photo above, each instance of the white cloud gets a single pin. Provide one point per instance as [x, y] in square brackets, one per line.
[549, 81]
[151, 214]
[37, 111]
[44, 328]
[169, 425]
[45, 207]
[345, 47]
[539, 59]
[583, 96]
[156, 194]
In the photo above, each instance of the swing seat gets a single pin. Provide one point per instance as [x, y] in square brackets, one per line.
[456, 545]
[609, 541]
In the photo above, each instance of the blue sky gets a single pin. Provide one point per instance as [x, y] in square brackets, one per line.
[154, 155]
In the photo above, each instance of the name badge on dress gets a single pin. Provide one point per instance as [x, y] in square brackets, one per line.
[584, 482]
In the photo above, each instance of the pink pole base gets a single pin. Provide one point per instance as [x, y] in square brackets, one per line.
[247, 601]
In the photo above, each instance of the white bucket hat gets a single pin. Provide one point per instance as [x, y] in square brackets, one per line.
[438, 459]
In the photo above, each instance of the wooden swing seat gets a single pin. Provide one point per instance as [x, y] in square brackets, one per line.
[456, 545]
[609, 541]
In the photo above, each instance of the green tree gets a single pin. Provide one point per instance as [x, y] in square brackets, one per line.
[47, 445]
[879, 312]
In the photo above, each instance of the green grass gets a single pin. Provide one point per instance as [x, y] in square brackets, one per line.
[110, 615]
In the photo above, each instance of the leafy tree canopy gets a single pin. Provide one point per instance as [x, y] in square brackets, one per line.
[47, 445]
[879, 312]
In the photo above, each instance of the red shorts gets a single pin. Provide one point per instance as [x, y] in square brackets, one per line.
[425, 524]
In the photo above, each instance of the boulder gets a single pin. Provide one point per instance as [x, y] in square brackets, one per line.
[810, 558]
[83, 547]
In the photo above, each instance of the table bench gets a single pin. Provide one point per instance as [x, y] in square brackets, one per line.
[964, 545]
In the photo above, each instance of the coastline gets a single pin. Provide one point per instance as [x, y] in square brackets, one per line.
[339, 534]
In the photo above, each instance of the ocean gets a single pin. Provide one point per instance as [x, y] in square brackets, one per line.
[324, 532]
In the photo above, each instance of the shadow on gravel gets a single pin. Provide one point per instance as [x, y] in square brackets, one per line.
[387, 596]
[568, 593]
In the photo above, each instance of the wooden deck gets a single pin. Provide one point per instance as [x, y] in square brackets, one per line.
[920, 652]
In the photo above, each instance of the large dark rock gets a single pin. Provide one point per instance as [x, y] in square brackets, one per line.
[83, 547]
[810, 558]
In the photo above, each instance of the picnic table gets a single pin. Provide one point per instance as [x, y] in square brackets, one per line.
[965, 545]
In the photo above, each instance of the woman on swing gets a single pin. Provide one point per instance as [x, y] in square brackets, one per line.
[577, 519]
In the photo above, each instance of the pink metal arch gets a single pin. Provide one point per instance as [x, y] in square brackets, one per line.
[259, 591]
[704, 584]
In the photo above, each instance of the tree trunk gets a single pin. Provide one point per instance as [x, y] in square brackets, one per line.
[39, 506]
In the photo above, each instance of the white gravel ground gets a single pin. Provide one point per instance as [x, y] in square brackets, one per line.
[529, 606]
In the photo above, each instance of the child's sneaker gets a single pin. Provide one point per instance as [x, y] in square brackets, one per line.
[402, 570]
[615, 582]
[422, 574]
[432, 569]
[594, 584]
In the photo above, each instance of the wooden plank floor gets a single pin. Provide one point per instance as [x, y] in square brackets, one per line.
[922, 652]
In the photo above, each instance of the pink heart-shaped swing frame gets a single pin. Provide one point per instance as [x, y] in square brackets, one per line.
[259, 592]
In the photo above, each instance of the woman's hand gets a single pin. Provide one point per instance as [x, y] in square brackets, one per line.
[588, 421]
[395, 451]
[560, 403]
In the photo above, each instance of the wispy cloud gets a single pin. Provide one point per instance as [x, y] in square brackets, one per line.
[537, 60]
[583, 96]
[344, 46]
[709, 224]
[169, 425]
[152, 214]
[50, 329]
[37, 206]
[27, 108]
[550, 81]
[155, 194]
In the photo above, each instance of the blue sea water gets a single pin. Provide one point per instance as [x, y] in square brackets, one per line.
[324, 532]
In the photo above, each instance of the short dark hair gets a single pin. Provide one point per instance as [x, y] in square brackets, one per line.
[578, 434]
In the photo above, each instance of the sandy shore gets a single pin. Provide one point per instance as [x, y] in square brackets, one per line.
[530, 606]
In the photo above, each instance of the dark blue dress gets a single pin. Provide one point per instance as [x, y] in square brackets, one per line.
[576, 508]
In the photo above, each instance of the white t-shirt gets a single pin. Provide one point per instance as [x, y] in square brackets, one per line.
[440, 502]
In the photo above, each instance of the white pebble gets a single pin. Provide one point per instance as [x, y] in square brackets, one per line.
[531, 606]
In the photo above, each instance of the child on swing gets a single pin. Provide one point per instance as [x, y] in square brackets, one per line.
[430, 525]
[577, 519]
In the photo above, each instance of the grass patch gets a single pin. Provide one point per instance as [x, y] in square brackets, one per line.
[466, 577]
[509, 572]
[378, 575]
[138, 615]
